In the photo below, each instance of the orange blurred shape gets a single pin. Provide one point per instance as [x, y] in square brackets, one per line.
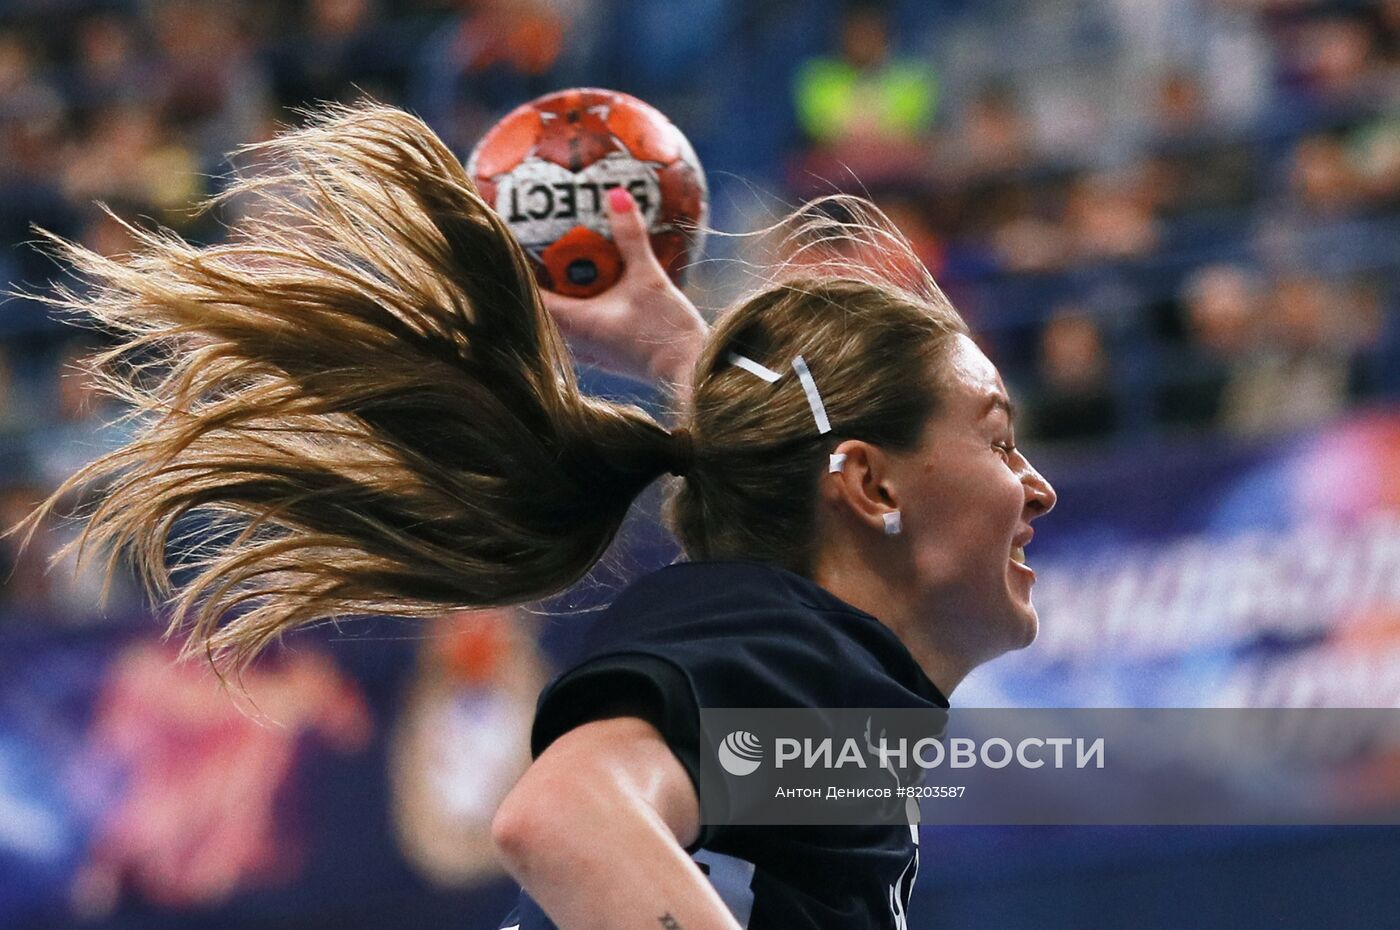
[475, 645]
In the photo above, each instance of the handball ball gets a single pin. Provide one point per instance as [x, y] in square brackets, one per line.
[547, 168]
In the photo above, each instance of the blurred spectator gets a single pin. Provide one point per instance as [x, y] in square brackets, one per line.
[1373, 152]
[995, 136]
[1333, 57]
[111, 64]
[342, 52]
[866, 94]
[1222, 310]
[128, 154]
[491, 57]
[1313, 223]
[1322, 176]
[214, 88]
[1185, 177]
[23, 93]
[1109, 216]
[1180, 111]
[33, 122]
[867, 108]
[911, 218]
[1075, 399]
[1221, 306]
[1297, 372]
[1193, 161]
[1031, 242]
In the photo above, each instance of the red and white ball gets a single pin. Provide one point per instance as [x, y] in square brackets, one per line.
[548, 165]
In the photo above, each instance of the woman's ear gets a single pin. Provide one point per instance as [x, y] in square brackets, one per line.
[859, 484]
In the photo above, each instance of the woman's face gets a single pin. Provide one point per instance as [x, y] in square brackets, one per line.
[967, 498]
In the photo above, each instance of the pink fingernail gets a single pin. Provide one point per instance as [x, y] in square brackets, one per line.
[620, 200]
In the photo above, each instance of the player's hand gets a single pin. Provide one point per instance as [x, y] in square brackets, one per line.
[641, 327]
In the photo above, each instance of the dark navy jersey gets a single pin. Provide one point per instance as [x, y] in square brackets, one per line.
[745, 634]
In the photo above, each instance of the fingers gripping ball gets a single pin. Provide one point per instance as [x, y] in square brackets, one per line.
[547, 168]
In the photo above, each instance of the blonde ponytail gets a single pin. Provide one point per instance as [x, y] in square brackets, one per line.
[363, 392]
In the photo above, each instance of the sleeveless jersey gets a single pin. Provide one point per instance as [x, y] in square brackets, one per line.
[746, 634]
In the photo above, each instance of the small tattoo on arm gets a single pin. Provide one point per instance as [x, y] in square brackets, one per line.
[670, 923]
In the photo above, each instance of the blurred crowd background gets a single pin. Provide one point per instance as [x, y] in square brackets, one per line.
[1159, 217]
[1172, 223]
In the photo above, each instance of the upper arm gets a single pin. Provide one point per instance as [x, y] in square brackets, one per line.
[597, 772]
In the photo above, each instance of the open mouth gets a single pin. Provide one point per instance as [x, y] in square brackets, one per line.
[1018, 554]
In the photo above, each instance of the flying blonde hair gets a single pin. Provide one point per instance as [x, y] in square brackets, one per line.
[359, 405]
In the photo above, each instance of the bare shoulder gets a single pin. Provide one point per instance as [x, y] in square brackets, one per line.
[622, 760]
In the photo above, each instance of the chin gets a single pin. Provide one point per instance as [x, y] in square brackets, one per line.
[1028, 627]
[1019, 618]
[1021, 627]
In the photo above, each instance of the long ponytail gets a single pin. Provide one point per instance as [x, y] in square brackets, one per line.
[360, 389]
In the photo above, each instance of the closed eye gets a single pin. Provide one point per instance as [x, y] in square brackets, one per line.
[1006, 449]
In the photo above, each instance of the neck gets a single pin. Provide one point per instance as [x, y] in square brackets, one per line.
[858, 583]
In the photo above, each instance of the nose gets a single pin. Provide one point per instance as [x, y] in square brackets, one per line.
[1040, 495]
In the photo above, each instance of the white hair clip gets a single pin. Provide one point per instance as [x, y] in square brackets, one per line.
[836, 462]
[814, 399]
[804, 376]
[754, 368]
[893, 524]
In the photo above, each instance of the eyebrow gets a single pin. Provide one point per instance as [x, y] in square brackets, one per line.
[1004, 403]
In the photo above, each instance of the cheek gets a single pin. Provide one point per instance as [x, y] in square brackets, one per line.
[966, 522]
